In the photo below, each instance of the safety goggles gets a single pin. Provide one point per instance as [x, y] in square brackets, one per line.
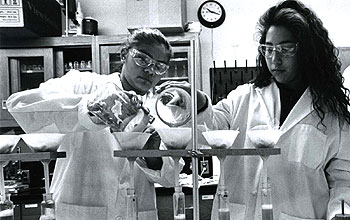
[143, 60]
[285, 50]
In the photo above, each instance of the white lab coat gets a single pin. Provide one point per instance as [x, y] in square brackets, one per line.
[311, 175]
[90, 183]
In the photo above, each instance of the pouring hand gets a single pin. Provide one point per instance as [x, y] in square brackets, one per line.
[201, 99]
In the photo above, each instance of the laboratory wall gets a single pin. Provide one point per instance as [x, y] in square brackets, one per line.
[234, 39]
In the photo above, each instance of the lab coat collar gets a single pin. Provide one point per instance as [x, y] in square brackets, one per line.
[301, 109]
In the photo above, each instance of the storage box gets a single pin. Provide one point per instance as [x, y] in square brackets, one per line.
[30, 18]
[166, 15]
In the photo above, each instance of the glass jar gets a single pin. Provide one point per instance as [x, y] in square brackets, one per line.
[6, 208]
[173, 106]
[47, 207]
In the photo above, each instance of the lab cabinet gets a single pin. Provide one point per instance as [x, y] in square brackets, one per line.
[22, 69]
[28, 62]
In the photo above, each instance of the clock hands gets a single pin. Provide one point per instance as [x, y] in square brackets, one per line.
[214, 12]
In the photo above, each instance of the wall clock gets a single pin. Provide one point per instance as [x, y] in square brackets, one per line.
[211, 14]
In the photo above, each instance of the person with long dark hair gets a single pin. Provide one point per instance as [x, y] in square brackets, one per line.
[298, 94]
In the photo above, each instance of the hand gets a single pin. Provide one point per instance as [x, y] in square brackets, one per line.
[112, 106]
[153, 143]
[154, 140]
[201, 99]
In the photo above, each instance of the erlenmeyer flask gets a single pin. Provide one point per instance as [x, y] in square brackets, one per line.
[173, 106]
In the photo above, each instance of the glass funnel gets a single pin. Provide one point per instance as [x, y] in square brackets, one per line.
[176, 138]
[173, 107]
[263, 136]
[221, 139]
[131, 141]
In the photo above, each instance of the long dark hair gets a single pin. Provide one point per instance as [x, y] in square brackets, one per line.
[317, 57]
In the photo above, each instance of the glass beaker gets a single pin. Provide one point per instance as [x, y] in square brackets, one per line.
[6, 208]
[179, 204]
[47, 207]
[131, 205]
[173, 106]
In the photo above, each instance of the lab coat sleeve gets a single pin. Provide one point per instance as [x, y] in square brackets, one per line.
[57, 106]
[220, 116]
[165, 176]
[338, 175]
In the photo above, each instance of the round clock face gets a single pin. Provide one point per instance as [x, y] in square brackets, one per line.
[211, 14]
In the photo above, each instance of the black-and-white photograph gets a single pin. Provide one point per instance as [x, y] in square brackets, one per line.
[175, 110]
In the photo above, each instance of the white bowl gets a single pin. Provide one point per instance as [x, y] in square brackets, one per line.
[263, 137]
[175, 138]
[43, 142]
[220, 139]
[131, 140]
[8, 143]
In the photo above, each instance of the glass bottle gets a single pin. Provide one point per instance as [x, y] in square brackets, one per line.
[266, 200]
[223, 209]
[47, 207]
[6, 208]
[179, 204]
[131, 205]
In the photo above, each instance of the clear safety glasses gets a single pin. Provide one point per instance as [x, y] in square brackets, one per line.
[285, 50]
[143, 60]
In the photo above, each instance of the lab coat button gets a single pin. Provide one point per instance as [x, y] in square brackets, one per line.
[119, 218]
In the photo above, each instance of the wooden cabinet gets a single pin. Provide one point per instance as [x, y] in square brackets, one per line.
[26, 63]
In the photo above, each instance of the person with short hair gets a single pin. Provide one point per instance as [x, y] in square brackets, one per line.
[91, 183]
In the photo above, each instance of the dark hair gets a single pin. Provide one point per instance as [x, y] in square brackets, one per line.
[148, 36]
[144, 36]
[317, 57]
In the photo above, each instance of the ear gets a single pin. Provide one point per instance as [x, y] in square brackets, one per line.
[123, 54]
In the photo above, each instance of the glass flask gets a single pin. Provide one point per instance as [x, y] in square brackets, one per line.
[47, 207]
[6, 208]
[131, 205]
[173, 106]
[223, 209]
[179, 204]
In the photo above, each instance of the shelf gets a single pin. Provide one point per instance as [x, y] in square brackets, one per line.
[200, 153]
[174, 78]
[81, 70]
[31, 71]
[32, 156]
